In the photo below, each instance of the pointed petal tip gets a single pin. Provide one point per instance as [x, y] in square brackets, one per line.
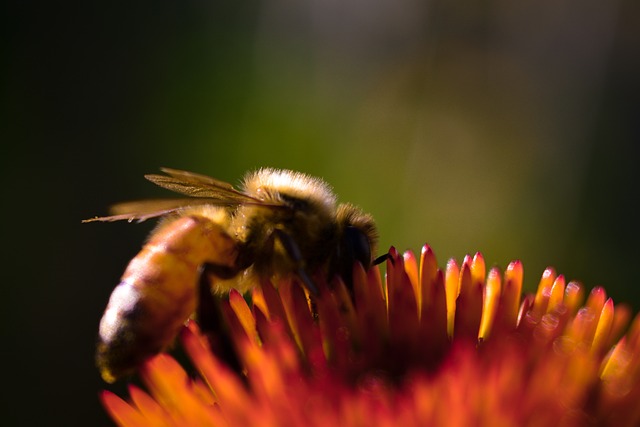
[106, 395]
[516, 263]
[598, 293]
[467, 259]
[573, 286]
[408, 255]
[515, 270]
[548, 273]
[494, 272]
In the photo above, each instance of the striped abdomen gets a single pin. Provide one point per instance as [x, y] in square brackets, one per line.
[157, 292]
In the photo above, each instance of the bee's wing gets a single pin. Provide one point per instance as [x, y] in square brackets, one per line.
[204, 190]
[141, 210]
[196, 178]
[196, 185]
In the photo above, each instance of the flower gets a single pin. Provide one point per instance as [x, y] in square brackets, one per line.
[426, 346]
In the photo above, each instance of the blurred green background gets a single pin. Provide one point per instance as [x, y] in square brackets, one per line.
[503, 127]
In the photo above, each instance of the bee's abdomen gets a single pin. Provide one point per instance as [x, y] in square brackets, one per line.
[157, 292]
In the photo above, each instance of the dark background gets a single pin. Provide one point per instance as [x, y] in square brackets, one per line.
[494, 126]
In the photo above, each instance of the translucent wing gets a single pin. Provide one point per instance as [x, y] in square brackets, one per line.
[196, 178]
[203, 189]
[141, 210]
[196, 185]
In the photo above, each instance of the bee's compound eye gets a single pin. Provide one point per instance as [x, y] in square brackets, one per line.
[355, 246]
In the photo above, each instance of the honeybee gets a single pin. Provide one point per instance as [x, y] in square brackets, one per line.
[279, 224]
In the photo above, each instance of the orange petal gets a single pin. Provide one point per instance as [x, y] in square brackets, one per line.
[621, 318]
[468, 306]
[411, 269]
[452, 288]
[371, 310]
[573, 297]
[490, 302]
[434, 316]
[121, 412]
[597, 298]
[428, 272]
[153, 413]
[228, 389]
[603, 328]
[334, 331]
[556, 295]
[257, 300]
[478, 268]
[243, 313]
[273, 301]
[507, 315]
[170, 386]
[544, 291]
[403, 308]
[307, 332]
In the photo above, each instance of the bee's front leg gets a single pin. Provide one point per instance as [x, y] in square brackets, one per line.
[292, 249]
[212, 324]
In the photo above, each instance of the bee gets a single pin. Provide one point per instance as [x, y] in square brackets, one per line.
[279, 224]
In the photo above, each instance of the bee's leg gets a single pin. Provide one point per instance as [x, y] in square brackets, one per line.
[220, 271]
[296, 256]
[354, 246]
[212, 324]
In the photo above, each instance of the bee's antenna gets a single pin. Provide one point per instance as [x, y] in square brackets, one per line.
[382, 258]
[302, 274]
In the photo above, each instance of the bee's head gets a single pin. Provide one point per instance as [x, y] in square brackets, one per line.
[358, 239]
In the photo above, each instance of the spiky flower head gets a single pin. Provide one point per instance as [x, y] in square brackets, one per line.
[425, 346]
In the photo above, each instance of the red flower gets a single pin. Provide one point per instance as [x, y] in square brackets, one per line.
[425, 347]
